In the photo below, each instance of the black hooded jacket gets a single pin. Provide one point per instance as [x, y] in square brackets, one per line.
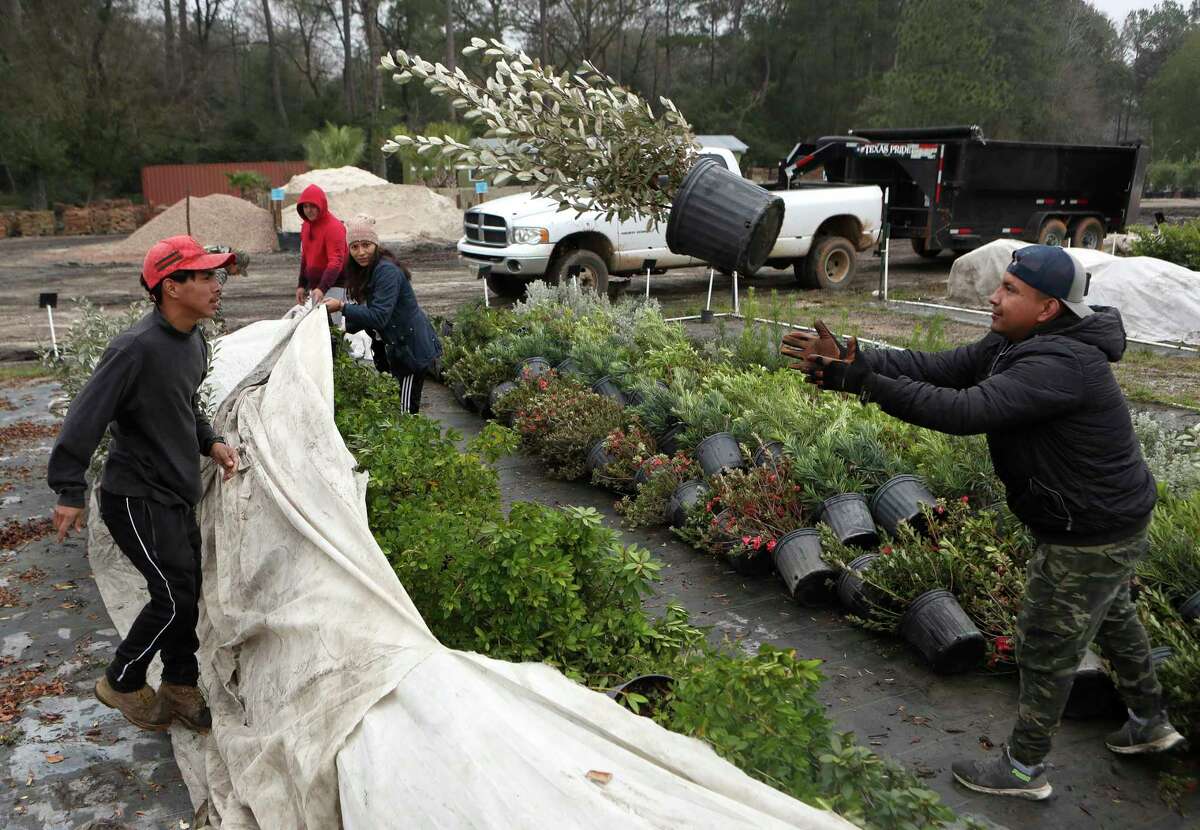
[1057, 424]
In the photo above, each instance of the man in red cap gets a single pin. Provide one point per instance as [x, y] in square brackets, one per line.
[144, 392]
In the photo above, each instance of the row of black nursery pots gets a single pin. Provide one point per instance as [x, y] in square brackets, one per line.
[934, 624]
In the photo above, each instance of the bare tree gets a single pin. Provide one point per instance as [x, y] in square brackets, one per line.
[370, 15]
[347, 58]
[273, 63]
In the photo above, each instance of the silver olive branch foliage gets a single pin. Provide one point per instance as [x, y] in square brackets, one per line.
[579, 138]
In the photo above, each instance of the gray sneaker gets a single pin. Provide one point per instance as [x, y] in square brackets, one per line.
[999, 776]
[1156, 735]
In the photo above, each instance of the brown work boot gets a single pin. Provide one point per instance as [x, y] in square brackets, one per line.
[187, 704]
[141, 708]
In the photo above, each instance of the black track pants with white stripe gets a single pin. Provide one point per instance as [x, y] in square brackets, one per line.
[163, 543]
[410, 392]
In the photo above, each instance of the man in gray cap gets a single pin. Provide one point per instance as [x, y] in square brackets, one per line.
[1058, 428]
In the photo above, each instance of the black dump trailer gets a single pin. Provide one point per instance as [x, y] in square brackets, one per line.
[951, 188]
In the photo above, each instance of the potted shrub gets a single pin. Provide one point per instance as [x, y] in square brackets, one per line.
[615, 460]
[906, 591]
[562, 424]
[591, 144]
[661, 497]
[754, 508]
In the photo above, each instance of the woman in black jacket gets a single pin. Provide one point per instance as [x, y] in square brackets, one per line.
[381, 301]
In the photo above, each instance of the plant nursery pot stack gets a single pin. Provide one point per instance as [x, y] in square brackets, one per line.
[805, 574]
[899, 501]
[719, 452]
[723, 219]
[35, 222]
[850, 518]
[685, 497]
[941, 631]
[8, 225]
[77, 221]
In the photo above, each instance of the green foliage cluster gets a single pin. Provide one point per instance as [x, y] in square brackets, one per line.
[555, 585]
[335, 146]
[1174, 243]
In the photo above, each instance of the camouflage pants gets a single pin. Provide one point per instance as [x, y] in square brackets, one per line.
[1075, 595]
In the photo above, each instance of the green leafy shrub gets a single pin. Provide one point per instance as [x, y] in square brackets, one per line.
[563, 422]
[1173, 564]
[333, 146]
[1179, 244]
[1172, 455]
[628, 448]
[1179, 675]
[648, 505]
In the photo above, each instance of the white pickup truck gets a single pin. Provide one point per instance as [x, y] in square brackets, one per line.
[523, 238]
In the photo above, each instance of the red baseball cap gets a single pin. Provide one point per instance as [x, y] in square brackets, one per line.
[179, 253]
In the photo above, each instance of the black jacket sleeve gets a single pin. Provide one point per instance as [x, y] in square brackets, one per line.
[376, 313]
[955, 368]
[1030, 389]
[93, 409]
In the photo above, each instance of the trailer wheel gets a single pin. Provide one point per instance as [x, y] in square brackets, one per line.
[1089, 233]
[593, 272]
[919, 248]
[831, 264]
[506, 285]
[1053, 232]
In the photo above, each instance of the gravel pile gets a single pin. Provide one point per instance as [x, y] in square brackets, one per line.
[216, 220]
[406, 215]
[331, 180]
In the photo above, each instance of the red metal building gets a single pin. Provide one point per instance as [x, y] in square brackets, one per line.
[166, 184]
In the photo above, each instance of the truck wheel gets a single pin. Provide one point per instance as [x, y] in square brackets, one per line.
[1089, 233]
[919, 248]
[506, 285]
[593, 273]
[830, 264]
[1053, 232]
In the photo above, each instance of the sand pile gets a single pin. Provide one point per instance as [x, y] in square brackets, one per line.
[405, 214]
[331, 180]
[216, 220]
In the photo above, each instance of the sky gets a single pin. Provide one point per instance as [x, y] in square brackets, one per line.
[1117, 9]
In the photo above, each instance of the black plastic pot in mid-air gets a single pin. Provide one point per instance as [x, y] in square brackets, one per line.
[723, 219]
[1092, 692]
[941, 631]
[850, 518]
[805, 574]
[719, 452]
[899, 501]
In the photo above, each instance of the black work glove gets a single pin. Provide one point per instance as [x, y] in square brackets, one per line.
[837, 375]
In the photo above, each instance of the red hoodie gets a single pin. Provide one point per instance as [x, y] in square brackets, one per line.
[322, 243]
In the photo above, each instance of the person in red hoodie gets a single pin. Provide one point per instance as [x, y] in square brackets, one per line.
[322, 246]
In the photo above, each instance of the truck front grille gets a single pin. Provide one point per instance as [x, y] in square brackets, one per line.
[485, 228]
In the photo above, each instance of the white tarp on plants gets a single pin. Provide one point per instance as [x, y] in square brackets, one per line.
[1159, 300]
[333, 703]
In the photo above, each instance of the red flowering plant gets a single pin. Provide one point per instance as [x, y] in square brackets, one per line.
[517, 402]
[663, 474]
[628, 447]
[756, 507]
[972, 553]
[562, 422]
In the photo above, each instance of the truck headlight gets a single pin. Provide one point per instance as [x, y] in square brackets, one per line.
[530, 236]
